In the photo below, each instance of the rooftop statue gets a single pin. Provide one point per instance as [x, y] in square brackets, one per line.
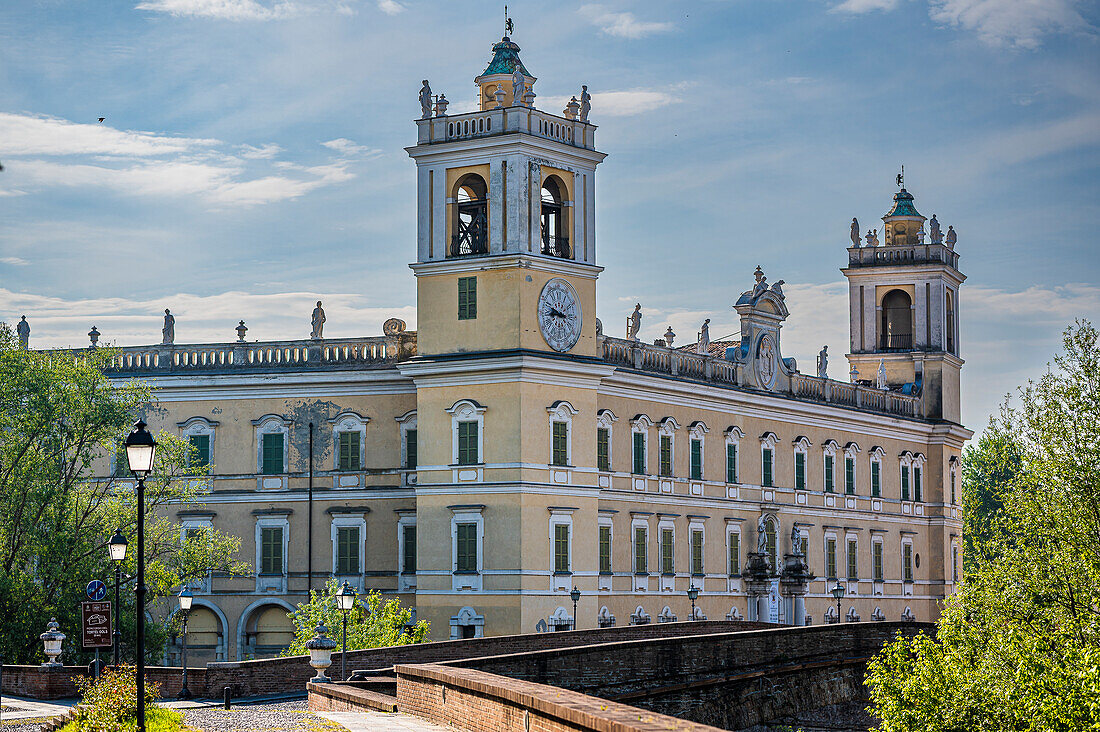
[93, 336]
[823, 363]
[872, 237]
[796, 544]
[318, 322]
[703, 346]
[777, 288]
[761, 285]
[669, 336]
[425, 100]
[855, 232]
[952, 237]
[634, 323]
[880, 380]
[761, 537]
[586, 103]
[934, 227]
[23, 330]
[168, 332]
[517, 86]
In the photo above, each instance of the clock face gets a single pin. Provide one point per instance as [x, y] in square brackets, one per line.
[559, 315]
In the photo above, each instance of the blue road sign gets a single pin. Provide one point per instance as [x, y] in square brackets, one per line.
[96, 590]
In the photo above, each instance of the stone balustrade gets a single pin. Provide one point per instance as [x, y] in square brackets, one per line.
[885, 255]
[690, 365]
[488, 123]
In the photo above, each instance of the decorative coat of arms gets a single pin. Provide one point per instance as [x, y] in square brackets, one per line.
[766, 362]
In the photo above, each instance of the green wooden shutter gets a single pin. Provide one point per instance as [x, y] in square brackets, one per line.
[408, 562]
[605, 550]
[829, 474]
[849, 475]
[467, 547]
[561, 548]
[830, 558]
[271, 550]
[467, 298]
[639, 453]
[917, 482]
[907, 553]
[697, 552]
[640, 540]
[853, 560]
[273, 454]
[467, 443]
[731, 463]
[696, 459]
[603, 449]
[561, 446]
[800, 471]
[876, 481]
[877, 560]
[905, 482]
[666, 455]
[668, 564]
[410, 449]
[347, 550]
[735, 554]
[348, 456]
[768, 478]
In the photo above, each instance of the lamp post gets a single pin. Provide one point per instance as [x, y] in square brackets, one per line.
[117, 549]
[140, 450]
[575, 595]
[838, 593]
[345, 600]
[693, 593]
[185, 599]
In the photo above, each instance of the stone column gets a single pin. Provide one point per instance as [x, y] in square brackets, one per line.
[757, 581]
[794, 583]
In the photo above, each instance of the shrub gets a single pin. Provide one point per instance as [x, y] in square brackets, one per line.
[109, 703]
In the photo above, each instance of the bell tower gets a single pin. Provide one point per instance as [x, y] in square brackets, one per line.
[903, 303]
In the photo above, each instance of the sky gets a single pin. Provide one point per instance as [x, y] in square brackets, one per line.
[251, 159]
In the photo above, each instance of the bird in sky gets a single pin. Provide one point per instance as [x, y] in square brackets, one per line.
[102, 118]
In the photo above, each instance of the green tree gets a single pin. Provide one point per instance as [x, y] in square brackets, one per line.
[372, 623]
[59, 416]
[1018, 646]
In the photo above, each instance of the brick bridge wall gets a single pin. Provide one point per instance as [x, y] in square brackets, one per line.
[38, 682]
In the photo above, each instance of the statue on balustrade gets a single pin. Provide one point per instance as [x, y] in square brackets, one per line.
[23, 330]
[872, 237]
[823, 363]
[777, 288]
[425, 100]
[934, 226]
[586, 102]
[318, 322]
[761, 285]
[951, 237]
[634, 323]
[168, 332]
[880, 379]
[517, 87]
[855, 232]
[703, 346]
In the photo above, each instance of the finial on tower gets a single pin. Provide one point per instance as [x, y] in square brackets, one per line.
[508, 27]
[901, 177]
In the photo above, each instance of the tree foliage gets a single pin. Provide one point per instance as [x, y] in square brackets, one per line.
[59, 416]
[1018, 646]
[372, 622]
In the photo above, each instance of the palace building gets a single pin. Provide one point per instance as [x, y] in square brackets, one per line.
[510, 449]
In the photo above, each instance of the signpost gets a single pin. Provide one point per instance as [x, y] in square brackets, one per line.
[95, 620]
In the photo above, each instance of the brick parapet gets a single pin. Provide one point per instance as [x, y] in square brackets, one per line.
[41, 682]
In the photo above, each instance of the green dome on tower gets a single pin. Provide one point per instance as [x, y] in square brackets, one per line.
[903, 205]
[505, 59]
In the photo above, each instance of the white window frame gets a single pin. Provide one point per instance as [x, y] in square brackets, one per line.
[640, 424]
[602, 521]
[356, 521]
[955, 573]
[733, 529]
[876, 456]
[733, 435]
[667, 427]
[851, 452]
[919, 461]
[196, 426]
[853, 584]
[560, 517]
[907, 541]
[828, 449]
[271, 424]
[267, 583]
[878, 540]
[467, 515]
[467, 616]
[830, 534]
[405, 518]
[954, 489]
[205, 524]
[348, 422]
[698, 431]
[406, 422]
[802, 447]
[606, 419]
[697, 525]
[641, 581]
[561, 412]
[666, 523]
[467, 410]
[768, 441]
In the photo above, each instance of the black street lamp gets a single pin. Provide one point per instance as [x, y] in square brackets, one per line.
[140, 450]
[838, 593]
[345, 600]
[117, 548]
[185, 599]
[693, 593]
[575, 595]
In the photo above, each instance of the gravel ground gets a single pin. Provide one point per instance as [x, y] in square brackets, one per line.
[291, 716]
[22, 725]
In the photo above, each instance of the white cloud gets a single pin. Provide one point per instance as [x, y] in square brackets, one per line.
[617, 103]
[622, 25]
[14, 261]
[348, 148]
[390, 7]
[224, 9]
[857, 7]
[263, 152]
[1021, 23]
[25, 134]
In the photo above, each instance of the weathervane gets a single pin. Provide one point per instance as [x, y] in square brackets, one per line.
[901, 177]
[508, 27]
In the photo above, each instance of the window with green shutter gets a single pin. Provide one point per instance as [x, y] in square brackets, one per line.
[605, 550]
[905, 482]
[200, 451]
[696, 459]
[697, 552]
[731, 463]
[668, 564]
[271, 550]
[347, 550]
[876, 560]
[849, 475]
[907, 557]
[800, 471]
[829, 474]
[467, 298]
[641, 540]
[853, 560]
[603, 449]
[804, 544]
[767, 478]
[272, 454]
[410, 449]
[830, 559]
[735, 554]
[466, 540]
[561, 443]
[639, 453]
[953, 496]
[666, 455]
[917, 482]
[467, 443]
[408, 547]
[347, 457]
[770, 544]
[876, 480]
[561, 548]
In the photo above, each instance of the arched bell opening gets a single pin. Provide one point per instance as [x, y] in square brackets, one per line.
[470, 217]
[554, 231]
[897, 322]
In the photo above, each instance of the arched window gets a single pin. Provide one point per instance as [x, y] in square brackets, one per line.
[770, 543]
[897, 321]
[470, 225]
[950, 324]
[555, 239]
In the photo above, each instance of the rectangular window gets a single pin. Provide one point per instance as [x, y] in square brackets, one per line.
[849, 475]
[605, 550]
[853, 560]
[348, 451]
[876, 481]
[271, 550]
[905, 482]
[666, 455]
[467, 443]
[731, 463]
[561, 548]
[876, 560]
[272, 454]
[830, 558]
[697, 552]
[639, 453]
[408, 559]
[561, 443]
[200, 451]
[800, 471]
[347, 550]
[641, 540]
[668, 565]
[953, 498]
[829, 475]
[467, 298]
[955, 564]
[696, 459]
[804, 543]
[410, 449]
[603, 449]
[767, 478]
[907, 561]
[917, 482]
[466, 559]
[735, 554]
